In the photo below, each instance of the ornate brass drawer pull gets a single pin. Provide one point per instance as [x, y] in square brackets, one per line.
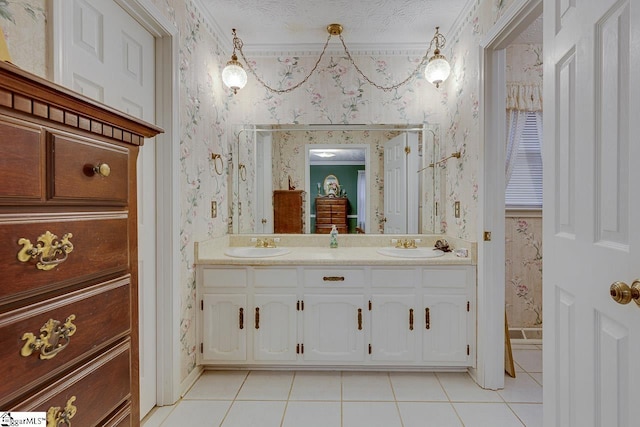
[54, 337]
[333, 278]
[57, 416]
[50, 250]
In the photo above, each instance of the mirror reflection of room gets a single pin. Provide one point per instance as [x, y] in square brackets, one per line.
[381, 171]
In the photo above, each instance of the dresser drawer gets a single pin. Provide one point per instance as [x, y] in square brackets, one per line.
[96, 316]
[74, 177]
[96, 389]
[122, 418]
[334, 277]
[21, 162]
[100, 247]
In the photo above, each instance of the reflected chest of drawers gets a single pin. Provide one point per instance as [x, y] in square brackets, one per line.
[288, 211]
[331, 211]
[68, 254]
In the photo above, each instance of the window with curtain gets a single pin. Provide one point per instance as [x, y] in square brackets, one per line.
[524, 160]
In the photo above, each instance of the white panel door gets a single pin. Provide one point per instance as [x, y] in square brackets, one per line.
[394, 327]
[591, 204]
[395, 177]
[333, 328]
[110, 57]
[224, 328]
[275, 327]
[444, 337]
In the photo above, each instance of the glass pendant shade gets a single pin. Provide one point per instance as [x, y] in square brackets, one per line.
[437, 70]
[233, 75]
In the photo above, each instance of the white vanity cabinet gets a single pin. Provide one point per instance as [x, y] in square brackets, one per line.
[225, 334]
[394, 331]
[448, 305]
[337, 315]
[275, 327]
[333, 328]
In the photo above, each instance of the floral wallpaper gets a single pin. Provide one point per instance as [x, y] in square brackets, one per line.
[523, 268]
[208, 112]
[203, 132]
[24, 26]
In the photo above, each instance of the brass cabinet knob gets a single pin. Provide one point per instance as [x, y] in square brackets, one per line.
[102, 169]
[623, 294]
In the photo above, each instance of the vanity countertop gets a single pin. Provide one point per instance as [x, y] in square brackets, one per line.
[212, 252]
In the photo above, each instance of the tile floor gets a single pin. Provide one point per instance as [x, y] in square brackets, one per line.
[359, 399]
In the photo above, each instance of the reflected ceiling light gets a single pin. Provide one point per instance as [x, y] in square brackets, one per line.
[437, 70]
[324, 154]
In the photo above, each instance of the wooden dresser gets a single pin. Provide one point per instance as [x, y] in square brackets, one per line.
[68, 254]
[331, 211]
[288, 211]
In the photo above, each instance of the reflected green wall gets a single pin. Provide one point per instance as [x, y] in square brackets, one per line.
[347, 177]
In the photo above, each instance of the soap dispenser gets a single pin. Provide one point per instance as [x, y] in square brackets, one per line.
[333, 237]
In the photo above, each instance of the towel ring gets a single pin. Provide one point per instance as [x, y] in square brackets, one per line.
[215, 157]
[242, 171]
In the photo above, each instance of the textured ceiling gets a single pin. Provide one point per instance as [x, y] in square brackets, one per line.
[281, 25]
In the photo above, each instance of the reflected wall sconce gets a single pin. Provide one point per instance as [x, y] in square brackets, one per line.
[455, 154]
[215, 157]
[436, 71]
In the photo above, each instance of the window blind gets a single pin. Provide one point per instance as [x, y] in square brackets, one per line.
[524, 189]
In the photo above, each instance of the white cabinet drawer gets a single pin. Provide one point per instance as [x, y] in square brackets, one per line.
[394, 277]
[275, 277]
[435, 277]
[334, 277]
[224, 277]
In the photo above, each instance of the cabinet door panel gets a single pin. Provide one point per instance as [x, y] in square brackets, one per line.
[393, 327]
[334, 328]
[445, 328]
[275, 327]
[225, 327]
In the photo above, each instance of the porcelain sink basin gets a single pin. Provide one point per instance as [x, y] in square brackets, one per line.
[411, 253]
[251, 252]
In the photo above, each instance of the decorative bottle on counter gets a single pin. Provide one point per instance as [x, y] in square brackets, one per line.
[333, 237]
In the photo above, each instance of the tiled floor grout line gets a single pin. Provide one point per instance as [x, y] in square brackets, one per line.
[444, 390]
[395, 399]
[233, 401]
[341, 398]
[286, 404]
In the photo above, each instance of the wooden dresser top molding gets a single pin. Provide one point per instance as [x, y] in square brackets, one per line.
[26, 93]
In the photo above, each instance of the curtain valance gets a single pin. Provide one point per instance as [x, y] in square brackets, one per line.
[524, 97]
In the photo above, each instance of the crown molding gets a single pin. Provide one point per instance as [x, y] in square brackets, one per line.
[258, 50]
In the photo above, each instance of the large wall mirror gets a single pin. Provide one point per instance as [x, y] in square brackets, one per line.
[375, 178]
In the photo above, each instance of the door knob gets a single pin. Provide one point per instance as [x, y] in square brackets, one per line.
[623, 294]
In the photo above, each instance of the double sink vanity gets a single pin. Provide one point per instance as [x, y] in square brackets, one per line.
[291, 301]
